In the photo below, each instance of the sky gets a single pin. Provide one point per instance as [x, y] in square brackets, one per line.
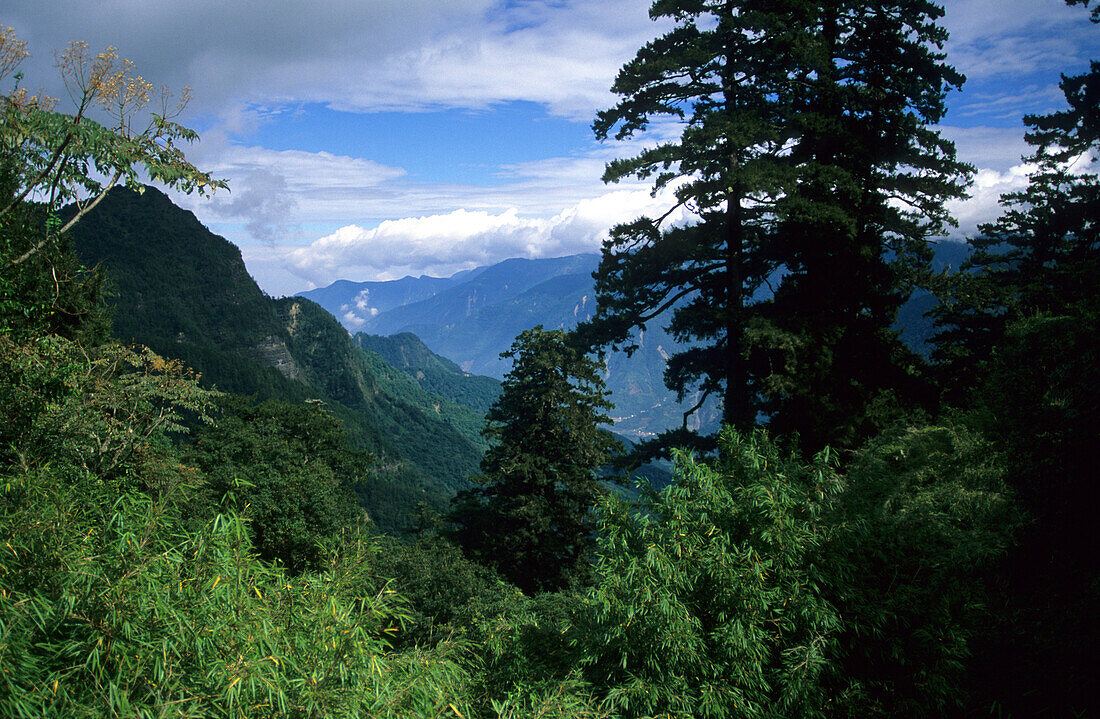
[373, 139]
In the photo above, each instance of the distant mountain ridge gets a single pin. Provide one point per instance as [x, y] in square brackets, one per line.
[474, 320]
[472, 317]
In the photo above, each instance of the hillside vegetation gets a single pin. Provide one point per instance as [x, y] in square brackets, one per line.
[185, 293]
[201, 487]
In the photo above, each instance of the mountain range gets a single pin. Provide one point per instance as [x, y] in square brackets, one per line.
[473, 316]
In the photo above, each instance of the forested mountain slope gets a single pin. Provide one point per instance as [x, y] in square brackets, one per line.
[432, 372]
[185, 292]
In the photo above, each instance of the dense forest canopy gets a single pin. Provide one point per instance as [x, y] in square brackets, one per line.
[870, 534]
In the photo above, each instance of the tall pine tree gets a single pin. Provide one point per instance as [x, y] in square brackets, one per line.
[807, 159]
[871, 180]
[1043, 254]
[530, 515]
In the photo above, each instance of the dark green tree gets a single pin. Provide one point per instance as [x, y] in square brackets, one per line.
[1043, 254]
[1017, 346]
[807, 159]
[51, 158]
[872, 176]
[50, 293]
[1017, 326]
[530, 516]
[297, 469]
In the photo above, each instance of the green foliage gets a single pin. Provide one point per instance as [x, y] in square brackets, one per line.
[924, 520]
[1017, 346]
[1039, 407]
[711, 601]
[442, 587]
[61, 157]
[135, 526]
[524, 640]
[132, 617]
[173, 280]
[762, 585]
[569, 698]
[104, 412]
[111, 604]
[290, 464]
[528, 656]
[49, 294]
[530, 516]
[403, 413]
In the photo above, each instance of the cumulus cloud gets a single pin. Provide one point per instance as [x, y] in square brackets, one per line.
[985, 194]
[446, 243]
[355, 313]
[352, 319]
[425, 54]
[264, 201]
[287, 195]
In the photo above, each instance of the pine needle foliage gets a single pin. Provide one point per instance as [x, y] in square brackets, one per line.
[530, 518]
[803, 176]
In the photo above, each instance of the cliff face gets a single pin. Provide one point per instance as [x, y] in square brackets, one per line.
[272, 351]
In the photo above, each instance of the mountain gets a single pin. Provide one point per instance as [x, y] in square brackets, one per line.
[185, 293]
[472, 317]
[350, 301]
[432, 372]
[476, 319]
[491, 286]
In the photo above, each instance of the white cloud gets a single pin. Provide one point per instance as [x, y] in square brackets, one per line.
[985, 194]
[355, 313]
[284, 196]
[350, 318]
[515, 219]
[273, 193]
[1012, 52]
[446, 243]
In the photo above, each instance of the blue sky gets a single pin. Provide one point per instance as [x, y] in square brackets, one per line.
[369, 140]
